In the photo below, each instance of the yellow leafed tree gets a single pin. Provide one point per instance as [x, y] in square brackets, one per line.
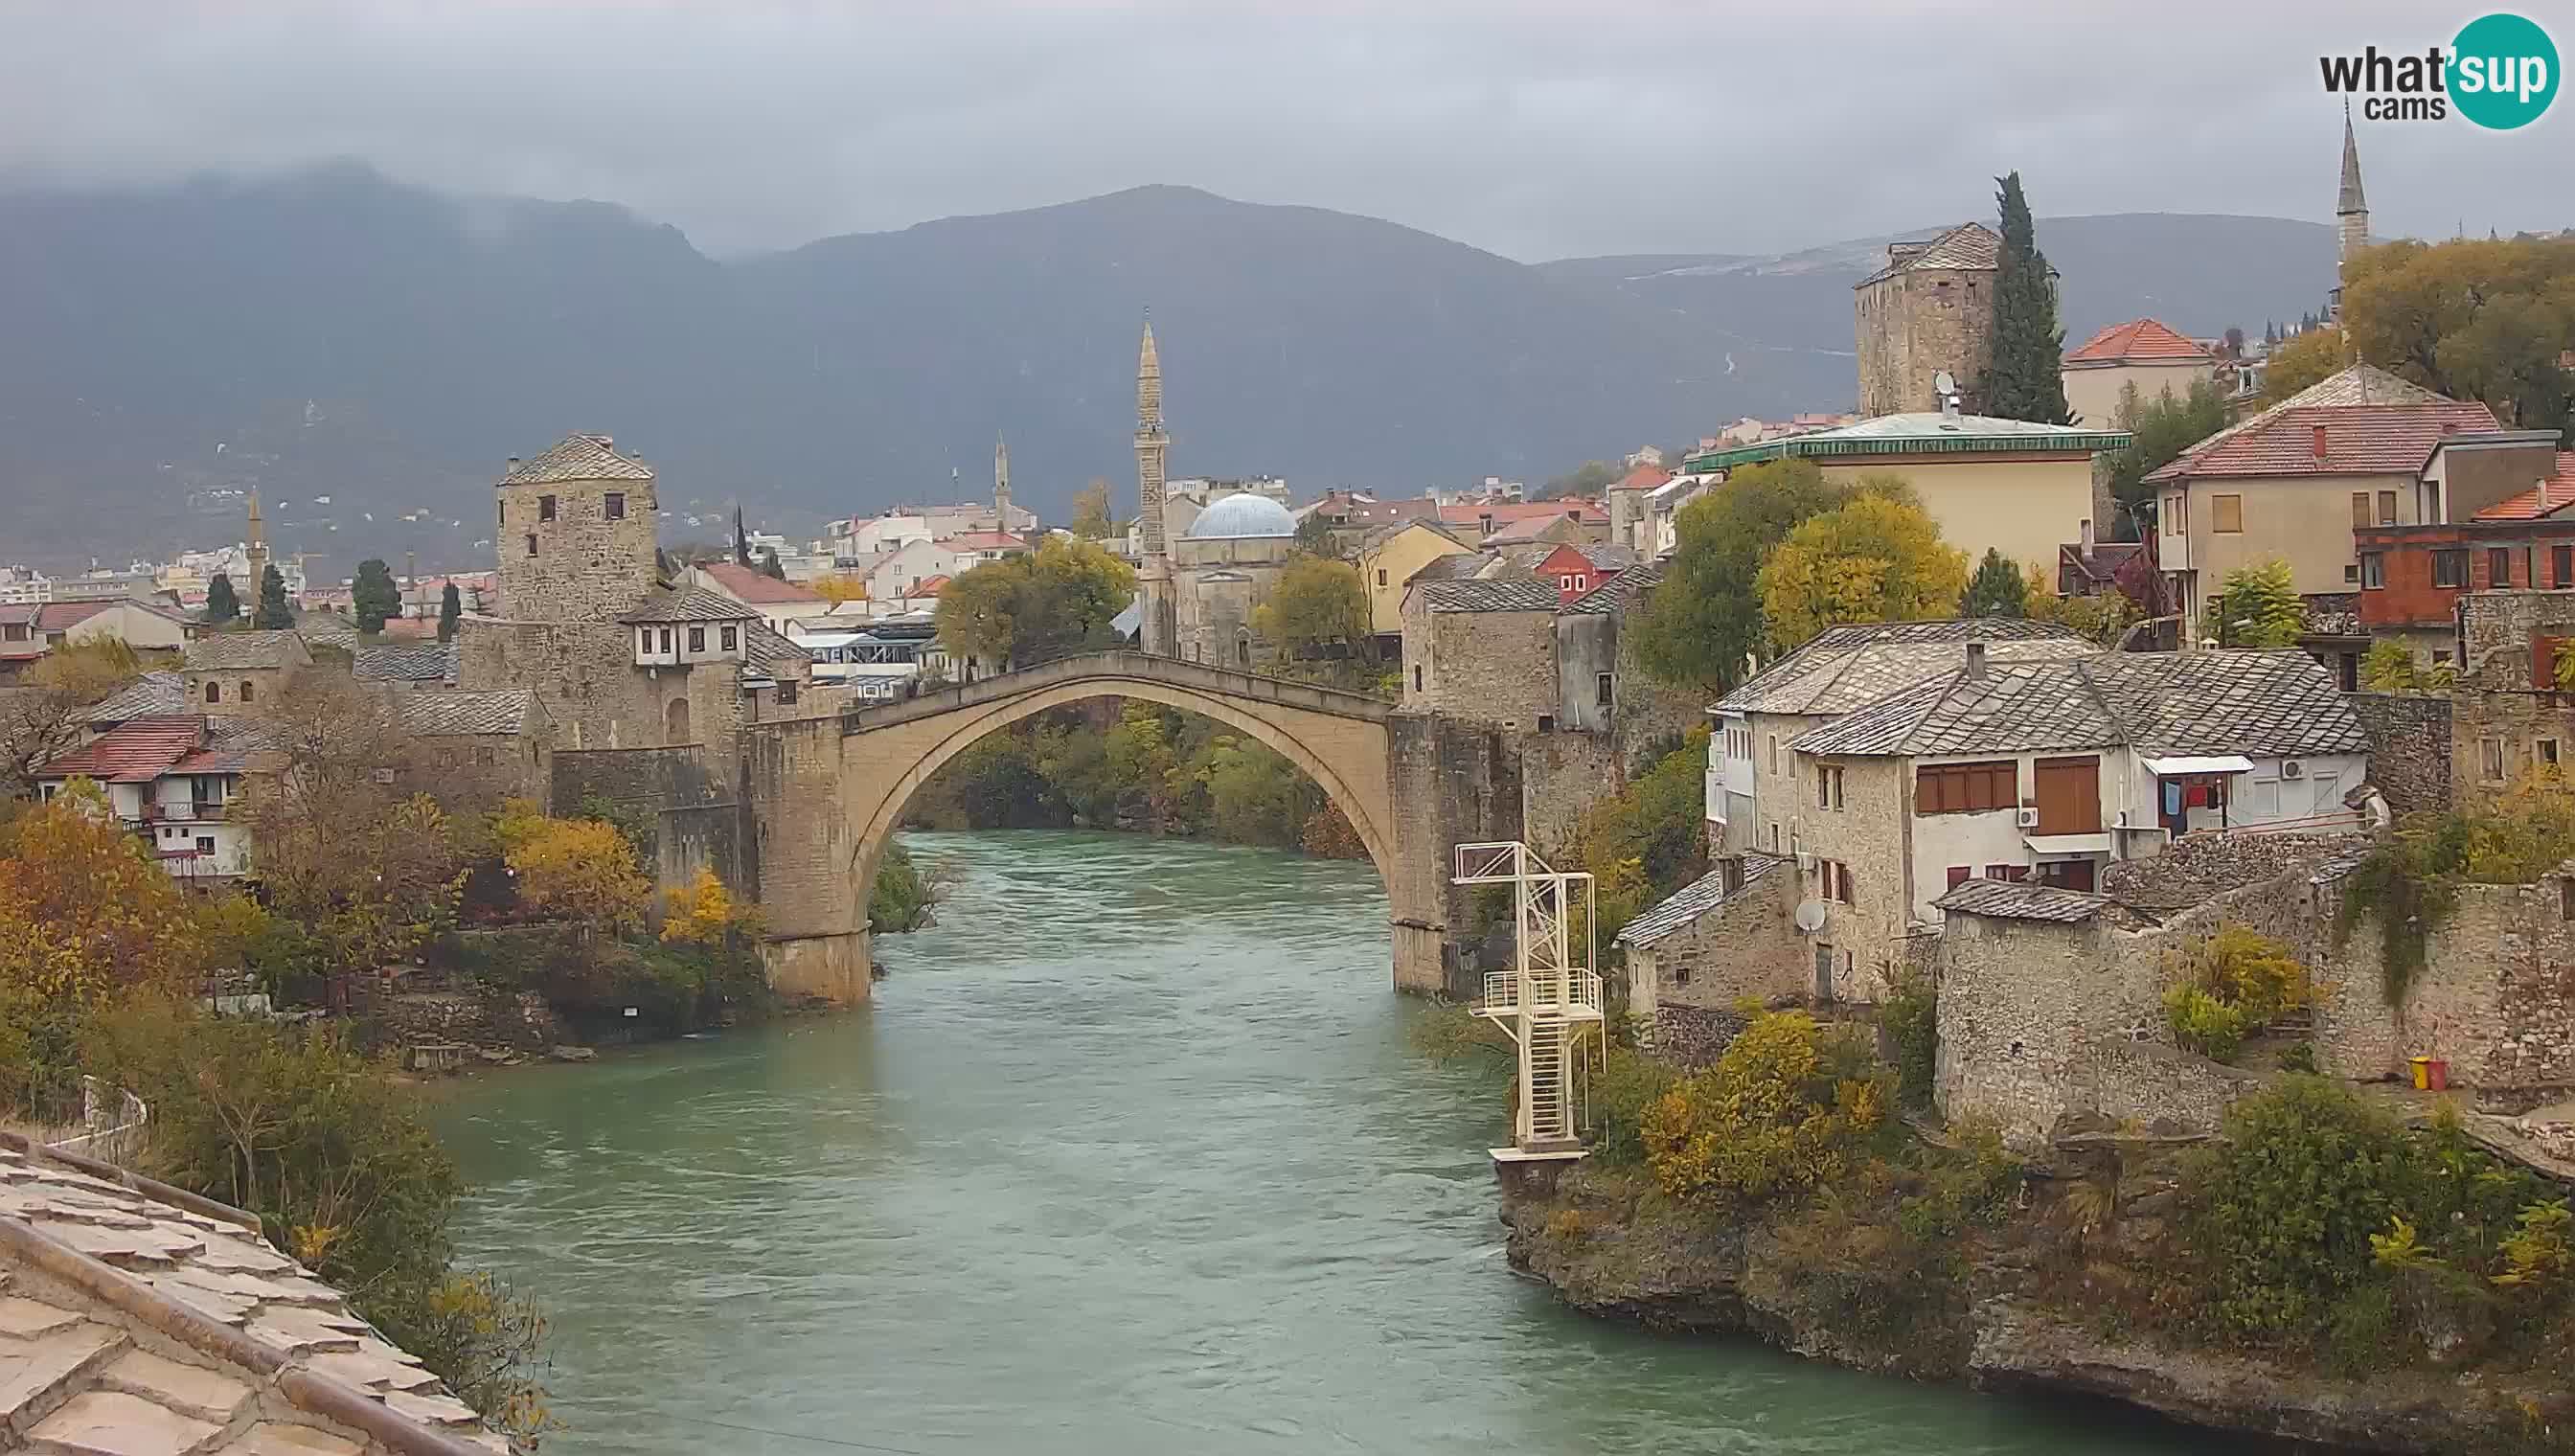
[1876, 559]
[703, 912]
[839, 586]
[580, 868]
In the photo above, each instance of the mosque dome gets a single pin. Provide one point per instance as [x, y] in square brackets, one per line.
[1240, 515]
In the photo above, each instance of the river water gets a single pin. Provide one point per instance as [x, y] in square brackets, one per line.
[1129, 1157]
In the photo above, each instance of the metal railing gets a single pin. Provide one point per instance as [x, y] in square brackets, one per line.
[112, 1121]
[1503, 991]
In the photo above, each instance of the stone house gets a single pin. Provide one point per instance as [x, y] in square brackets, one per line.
[2050, 771]
[478, 748]
[1723, 937]
[1389, 556]
[232, 672]
[2144, 353]
[1482, 651]
[1630, 520]
[1931, 310]
[1843, 669]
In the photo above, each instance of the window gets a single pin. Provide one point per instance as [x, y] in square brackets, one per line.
[2012, 872]
[1546, 723]
[1774, 837]
[732, 637]
[1603, 689]
[697, 639]
[1828, 786]
[617, 504]
[2449, 567]
[483, 753]
[666, 639]
[2561, 564]
[1416, 677]
[2351, 574]
[245, 694]
[1833, 881]
[214, 692]
[2546, 749]
[643, 638]
[2226, 514]
[2490, 759]
[1775, 752]
[787, 693]
[1941, 789]
[1381, 575]
[2361, 516]
[501, 516]
[531, 543]
[205, 844]
[545, 508]
[2498, 567]
[1680, 973]
[1959, 875]
[2387, 508]
[2373, 570]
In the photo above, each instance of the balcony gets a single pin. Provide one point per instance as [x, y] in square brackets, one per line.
[184, 811]
[1503, 994]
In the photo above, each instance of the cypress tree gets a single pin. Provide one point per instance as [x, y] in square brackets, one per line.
[769, 565]
[2026, 379]
[449, 607]
[740, 541]
[221, 604]
[1996, 590]
[373, 596]
[273, 614]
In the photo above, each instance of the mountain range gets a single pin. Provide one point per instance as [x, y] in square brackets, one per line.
[333, 334]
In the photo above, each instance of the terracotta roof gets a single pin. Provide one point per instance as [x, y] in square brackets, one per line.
[1849, 668]
[687, 603]
[1642, 478]
[141, 1318]
[1616, 596]
[1499, 594]
[448, 714]
[746, 584]
[2138, 338]
[2023, 900]
[1694, 899]
[2361, 384]
[152, 694]
[57, 615]
[578, 457]
[232, 651]
[1531, 528]
[928, 585]
[2547, 497]
[2358, 440]
[1506, 511]
[1969, 246]
[134, 751]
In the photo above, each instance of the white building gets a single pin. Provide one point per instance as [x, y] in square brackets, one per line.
[175, 780]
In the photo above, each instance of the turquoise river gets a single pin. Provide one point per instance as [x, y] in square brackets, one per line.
[1130, 1157]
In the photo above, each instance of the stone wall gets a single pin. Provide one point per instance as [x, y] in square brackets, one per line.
[583, 673]
[1916, 323]
[520, 1020]
[2496, 628]
[1745, 948]
[1487, 666]
[2499, 736]
[1868, 833]
[1692, 1036]
[2410, 753]
[1454, 784]
[2496, 997]
[644, 779]
[1562, 773]
[584, 566]
[469, 772]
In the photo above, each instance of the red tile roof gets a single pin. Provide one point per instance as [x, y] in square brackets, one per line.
[754, 586]
[2143, 339]
[56, 616]
[2547, 497]
[1506, 511]
[928, 586]
[2357, 440]
[135, 752]
[1642, 478]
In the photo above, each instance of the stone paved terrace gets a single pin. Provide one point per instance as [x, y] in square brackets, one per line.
[137, 1320]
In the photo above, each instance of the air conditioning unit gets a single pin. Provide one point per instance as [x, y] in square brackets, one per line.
[1805, 862]
[2027, 818]
[2292, 768]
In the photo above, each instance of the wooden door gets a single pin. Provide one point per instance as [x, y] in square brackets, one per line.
[2069, 795]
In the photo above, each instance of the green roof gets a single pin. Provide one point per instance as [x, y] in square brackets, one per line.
[1919, 434]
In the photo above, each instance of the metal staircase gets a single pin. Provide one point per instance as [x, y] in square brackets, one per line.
[1550, 1000]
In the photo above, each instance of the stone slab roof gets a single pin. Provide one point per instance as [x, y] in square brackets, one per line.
[163, 692]
[137, 1320]
[2269, 703]
[234, 651]
[578, 457]
[450, 713]
[1845, 669]
[1620, 593]
[431, 661]
[1497, 593]
[687, 603]
[2021, 900]
[1453, 567]
[1694, 899]
[1967, 246]
[768, 654]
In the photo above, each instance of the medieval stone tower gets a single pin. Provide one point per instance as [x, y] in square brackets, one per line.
[576, 532]
[1158, 631]
[1929, 310]
[2351, 214]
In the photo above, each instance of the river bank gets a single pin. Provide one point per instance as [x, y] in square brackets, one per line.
[2052, 1295]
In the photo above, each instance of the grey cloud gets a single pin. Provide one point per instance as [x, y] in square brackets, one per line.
[1535, 131]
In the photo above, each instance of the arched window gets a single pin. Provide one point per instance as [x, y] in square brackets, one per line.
[245, 694]
[676, 722]
[214, 692]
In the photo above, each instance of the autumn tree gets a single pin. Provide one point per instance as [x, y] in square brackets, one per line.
[2026, 378]
[1703, 623]
[273, 612]
[373, 596]
[705, 913]
[2160, 431]
[221, 604]
[1090, 515]
[1997, 590]
[1318, 611]
[1027, 607]
[2474, 318]
[1316, 536]
[44, 715]
[1877, 559]
[839, 586]
[451, 612]
[579, 869]
[2311, 358]
[2259, 607]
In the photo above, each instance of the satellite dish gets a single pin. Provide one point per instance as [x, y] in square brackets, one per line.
[1810, 917]
[1945, 383]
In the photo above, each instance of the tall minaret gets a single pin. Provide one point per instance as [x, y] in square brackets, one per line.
[2351, 213]
[255, 553]
[1001, 484]
[1159, 630]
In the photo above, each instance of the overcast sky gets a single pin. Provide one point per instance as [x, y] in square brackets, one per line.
[1537, 131]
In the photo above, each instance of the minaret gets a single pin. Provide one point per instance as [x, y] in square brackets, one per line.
[1001, 484]
[2351, 213]
[254, 554]
[1157, 631]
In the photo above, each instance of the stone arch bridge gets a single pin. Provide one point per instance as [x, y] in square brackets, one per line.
[826, 793]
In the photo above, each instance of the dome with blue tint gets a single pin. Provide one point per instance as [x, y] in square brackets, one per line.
[1240, 515]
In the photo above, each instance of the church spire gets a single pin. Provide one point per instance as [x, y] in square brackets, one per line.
[1001, 484]
[2351, 213]
[2351, 200]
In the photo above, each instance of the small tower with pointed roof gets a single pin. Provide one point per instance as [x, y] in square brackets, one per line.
[254, 554]
[1001, 484]
[2351, 213]
[1157, 631]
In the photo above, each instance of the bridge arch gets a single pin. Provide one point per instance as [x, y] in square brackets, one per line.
[827, 792]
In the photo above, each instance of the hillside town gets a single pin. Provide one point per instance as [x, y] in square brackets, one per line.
[2072, 756]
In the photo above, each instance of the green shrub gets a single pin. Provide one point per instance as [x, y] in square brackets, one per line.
[2201, 1023]
[902, 897]
[2235, 982]
[1631, 1082]
[1967, 1187]
[1911, 1018]
[1781, 1111]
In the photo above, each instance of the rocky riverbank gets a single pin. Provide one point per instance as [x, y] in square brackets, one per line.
[2051, 1296]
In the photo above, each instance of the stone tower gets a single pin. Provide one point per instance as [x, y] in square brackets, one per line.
[1001, 484]
[1157, 628]
[254, 555]
[1929, 310]
[2351, 213]
[576, 532]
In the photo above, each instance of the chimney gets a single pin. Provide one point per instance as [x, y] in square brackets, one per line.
[1949, 406]
[2088, 535]
[2320, 442]
[1976, 661]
